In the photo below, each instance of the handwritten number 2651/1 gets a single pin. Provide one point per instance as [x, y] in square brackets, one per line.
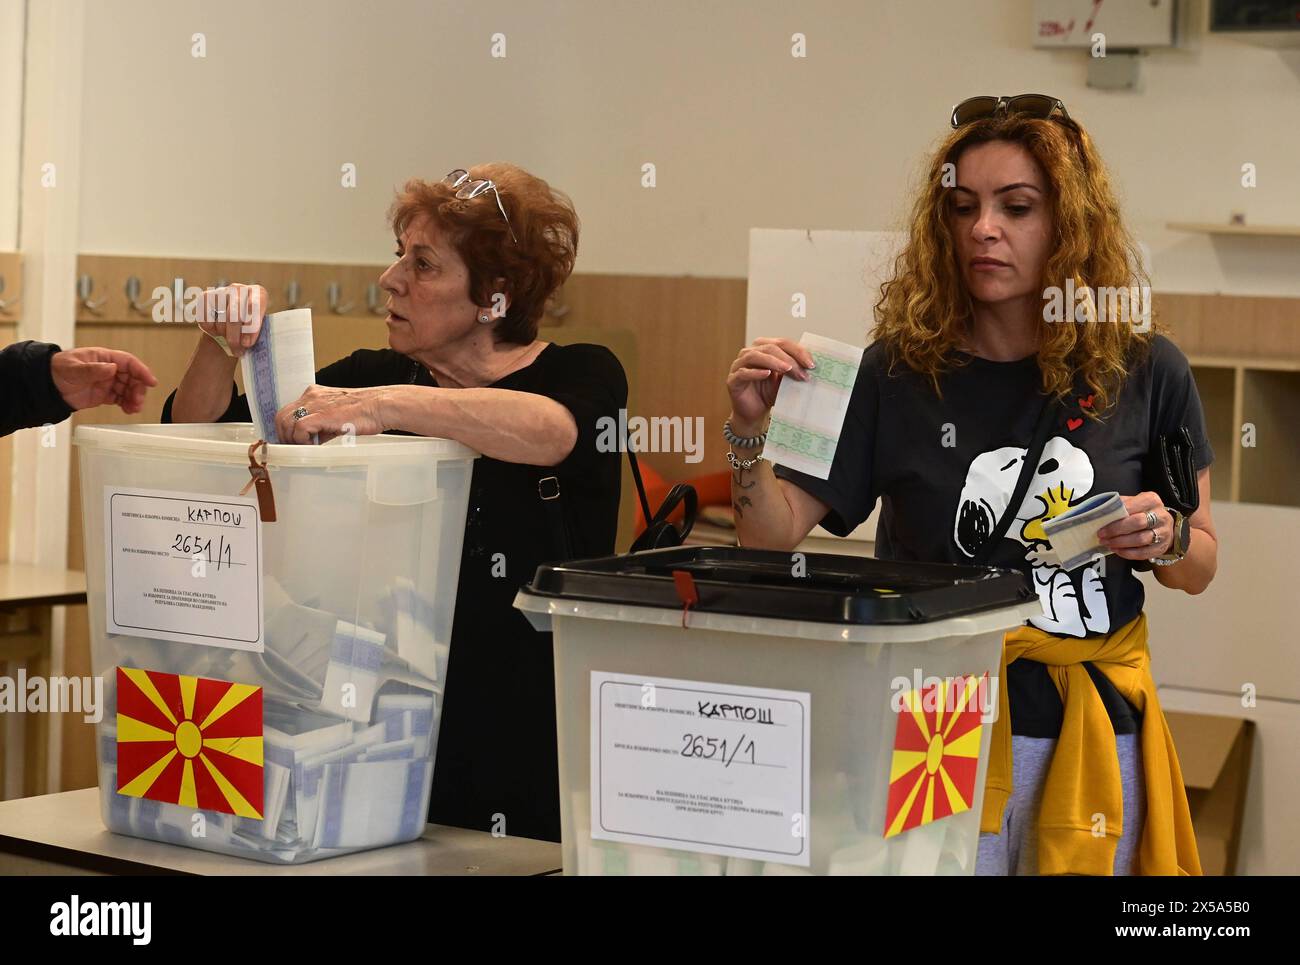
[190, 545]
[708, 748]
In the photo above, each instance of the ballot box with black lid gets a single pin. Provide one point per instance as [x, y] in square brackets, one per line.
[732, 711]
[273, 653]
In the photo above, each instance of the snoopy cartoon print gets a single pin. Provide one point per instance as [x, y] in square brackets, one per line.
[1074, 603]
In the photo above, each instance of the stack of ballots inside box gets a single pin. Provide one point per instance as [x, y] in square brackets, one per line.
[349, 730]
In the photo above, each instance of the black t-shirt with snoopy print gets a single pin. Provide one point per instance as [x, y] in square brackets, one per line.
[945, 469]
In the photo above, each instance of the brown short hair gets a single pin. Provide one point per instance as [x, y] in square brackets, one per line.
[543, 220]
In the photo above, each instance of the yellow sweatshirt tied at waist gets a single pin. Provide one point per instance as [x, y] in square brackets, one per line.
[1083, 779]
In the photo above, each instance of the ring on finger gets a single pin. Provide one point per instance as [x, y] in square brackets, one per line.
[1155, 537]
[300, 413]
[1151, 519]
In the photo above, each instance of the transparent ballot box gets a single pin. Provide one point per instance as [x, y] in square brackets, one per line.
[272, 686]
[731, 711]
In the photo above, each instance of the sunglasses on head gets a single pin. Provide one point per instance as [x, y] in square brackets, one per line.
[1035, 105]
[468, 188]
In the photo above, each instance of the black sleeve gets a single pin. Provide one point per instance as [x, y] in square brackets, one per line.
[591, 384]
[849, 490]
[343, 374]
[28, 396]
[1175, 401]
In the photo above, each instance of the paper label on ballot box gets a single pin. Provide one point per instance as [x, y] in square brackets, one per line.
[184, 567]
[702, 767]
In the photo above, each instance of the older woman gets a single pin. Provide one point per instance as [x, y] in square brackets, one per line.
[478, 254]
[1017, 209]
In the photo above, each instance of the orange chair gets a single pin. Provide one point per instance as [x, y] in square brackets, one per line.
[713, 489]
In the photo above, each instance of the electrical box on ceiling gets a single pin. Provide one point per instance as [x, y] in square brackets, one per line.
[1125, 24]
[1272, 23]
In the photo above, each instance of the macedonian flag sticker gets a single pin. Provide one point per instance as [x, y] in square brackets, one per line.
[936, 753]
[190, 741]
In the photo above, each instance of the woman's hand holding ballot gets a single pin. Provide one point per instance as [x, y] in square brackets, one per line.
[232, 316]
[331, 413]
[756, 375]
[231, 320]
[1132, 538]
[769, 514]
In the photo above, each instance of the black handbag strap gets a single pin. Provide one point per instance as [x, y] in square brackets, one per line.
[659, 532]
[1033, 454]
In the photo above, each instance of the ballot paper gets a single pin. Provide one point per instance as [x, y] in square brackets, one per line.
[276, 779]
[408, 716]
[922, 847]
[414, 623]
[352, 677]
[664, 861]
[279, 367]
[331, 783]
[366, 804]
[1074, 533]
[808, 417]
[870, 856]
[606, 858]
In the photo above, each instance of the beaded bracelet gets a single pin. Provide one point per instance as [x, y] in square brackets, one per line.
[742, 442]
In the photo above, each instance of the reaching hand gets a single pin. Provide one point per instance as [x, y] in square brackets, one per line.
[87, 377]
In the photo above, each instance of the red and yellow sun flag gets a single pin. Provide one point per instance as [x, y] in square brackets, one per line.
[936, 753]
[190, 741]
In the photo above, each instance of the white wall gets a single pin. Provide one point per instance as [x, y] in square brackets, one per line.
[238, 154]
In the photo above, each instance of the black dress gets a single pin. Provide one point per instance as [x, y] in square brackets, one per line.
[496, 766]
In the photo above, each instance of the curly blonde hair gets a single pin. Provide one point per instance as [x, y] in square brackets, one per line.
[924, 308]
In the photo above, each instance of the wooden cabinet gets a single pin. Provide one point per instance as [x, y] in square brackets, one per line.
[1251, 406]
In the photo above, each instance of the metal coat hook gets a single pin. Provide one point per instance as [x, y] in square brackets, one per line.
[373, 297]
[334, 293]
[6, 305]
[85, 285]
[293, 292]
[133, 297]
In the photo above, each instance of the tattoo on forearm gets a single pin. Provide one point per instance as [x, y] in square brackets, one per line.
[740, 479]
[742, 501]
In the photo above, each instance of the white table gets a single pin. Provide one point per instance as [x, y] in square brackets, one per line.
[62, 834]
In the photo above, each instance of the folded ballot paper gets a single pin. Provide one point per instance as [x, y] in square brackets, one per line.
[809, 416]
[1074, 533]
[279, 367]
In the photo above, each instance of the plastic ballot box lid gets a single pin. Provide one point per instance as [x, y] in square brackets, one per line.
[817, 587]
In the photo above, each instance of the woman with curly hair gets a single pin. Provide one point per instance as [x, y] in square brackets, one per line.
[1019, 308]
[477, 255]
